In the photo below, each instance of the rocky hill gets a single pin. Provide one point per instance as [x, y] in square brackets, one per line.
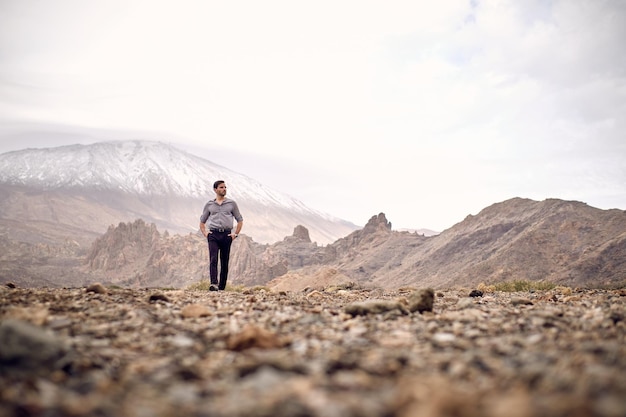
[519, 239]
[558, 241]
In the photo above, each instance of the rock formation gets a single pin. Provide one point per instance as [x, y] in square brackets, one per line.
[558, 241]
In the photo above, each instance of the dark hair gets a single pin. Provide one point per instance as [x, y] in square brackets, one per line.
[217, 184]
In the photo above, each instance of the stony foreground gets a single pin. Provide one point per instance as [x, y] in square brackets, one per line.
[337, 352]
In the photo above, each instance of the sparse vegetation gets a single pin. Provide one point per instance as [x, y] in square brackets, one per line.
[517, 285]
[204, 285]
[235, 288]
[115, 287]
[252, 289]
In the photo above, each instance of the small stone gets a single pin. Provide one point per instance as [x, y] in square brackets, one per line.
[181, 341]
[24, 346]
[254, 337]
[476, 293]
[158, 297]
[37, 314]
[464, 303]
[521, 301]
[314, 294]
[549, 297]
[195, 310]
[97, 288]
[11, 285]
[422, 300]
[374, 307]
[443, 337]
[616, 316]
[59, 323]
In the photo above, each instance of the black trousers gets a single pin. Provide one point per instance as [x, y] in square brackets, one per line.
[219, 248]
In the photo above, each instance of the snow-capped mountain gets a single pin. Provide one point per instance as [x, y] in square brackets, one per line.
[140, 167]
[156, 172]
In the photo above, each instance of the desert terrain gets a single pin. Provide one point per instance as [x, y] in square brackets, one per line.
[336, 351]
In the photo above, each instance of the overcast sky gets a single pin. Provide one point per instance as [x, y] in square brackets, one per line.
[426, 111]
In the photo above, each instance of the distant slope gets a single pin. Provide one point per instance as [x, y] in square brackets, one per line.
[90, 187]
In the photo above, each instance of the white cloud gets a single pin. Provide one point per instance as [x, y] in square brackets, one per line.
[427, 111]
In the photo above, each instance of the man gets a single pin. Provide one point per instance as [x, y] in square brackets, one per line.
[220, 213]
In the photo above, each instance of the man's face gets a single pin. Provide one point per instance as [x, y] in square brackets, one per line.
[221, 190]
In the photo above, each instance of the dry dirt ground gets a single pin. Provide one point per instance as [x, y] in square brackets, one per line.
[334, 352]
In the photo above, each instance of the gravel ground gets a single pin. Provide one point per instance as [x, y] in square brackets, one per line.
[336, 352]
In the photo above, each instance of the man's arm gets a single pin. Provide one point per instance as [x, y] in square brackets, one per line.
[237, 229]
[203, 228]
[237, 215]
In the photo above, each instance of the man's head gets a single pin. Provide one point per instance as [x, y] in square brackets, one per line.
[220, 189]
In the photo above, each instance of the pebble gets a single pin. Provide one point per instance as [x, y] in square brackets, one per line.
[521, 301]
[422, 300]
[476, 293]
[26, 347]
[195, 310]
[96, 288]
[363, 308]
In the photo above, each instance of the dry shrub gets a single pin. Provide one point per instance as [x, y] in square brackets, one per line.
[486, 288]
[202, 285]
[523, 285]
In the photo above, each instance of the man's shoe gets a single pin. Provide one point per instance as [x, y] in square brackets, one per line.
[213, 287]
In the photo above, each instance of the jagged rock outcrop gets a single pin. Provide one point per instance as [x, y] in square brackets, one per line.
[376, 223]
[301, 233]
[127, 242]
[377, 226]
[136, 254]
[271, 261]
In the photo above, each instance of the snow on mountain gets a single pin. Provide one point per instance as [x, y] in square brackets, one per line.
[139, 167]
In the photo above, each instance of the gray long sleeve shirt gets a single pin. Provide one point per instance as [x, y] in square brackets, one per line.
[220, 216]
